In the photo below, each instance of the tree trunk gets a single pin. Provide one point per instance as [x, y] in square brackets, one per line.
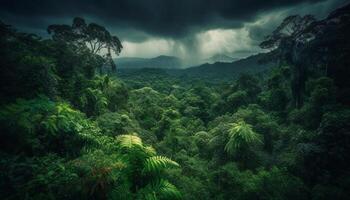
[111, 62]
[300, 75]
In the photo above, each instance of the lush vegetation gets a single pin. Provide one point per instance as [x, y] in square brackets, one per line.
[71, 128]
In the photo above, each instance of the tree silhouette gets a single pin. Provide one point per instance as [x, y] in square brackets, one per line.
[290, 40]
[96, 38]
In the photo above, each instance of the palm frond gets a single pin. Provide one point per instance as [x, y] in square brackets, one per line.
[241, 135]
[161, 189]
[156, 164]
[129, 141]
[150, 151]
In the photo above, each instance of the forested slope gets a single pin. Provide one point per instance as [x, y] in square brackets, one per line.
[230, 70]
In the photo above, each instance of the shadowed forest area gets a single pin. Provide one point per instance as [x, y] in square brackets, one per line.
[75, 126]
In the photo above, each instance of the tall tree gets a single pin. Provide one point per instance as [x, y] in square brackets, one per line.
[96, 38]
[290, 39]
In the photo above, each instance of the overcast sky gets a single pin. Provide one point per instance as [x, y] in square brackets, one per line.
[190, 29]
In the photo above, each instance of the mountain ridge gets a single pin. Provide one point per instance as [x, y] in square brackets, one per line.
[255, 63]
[161, 62]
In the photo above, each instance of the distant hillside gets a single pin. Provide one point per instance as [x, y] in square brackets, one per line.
[218, 70]
[160, 62]
[220, 58]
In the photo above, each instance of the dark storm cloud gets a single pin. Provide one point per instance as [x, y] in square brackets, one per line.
[165, 18]
[190, 29]
[320, 10]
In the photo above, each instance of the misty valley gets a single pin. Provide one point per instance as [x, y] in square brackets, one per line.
[175, 111]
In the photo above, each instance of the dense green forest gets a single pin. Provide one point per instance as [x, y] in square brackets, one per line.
[74, 127]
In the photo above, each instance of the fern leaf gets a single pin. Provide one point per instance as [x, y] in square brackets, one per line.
[129, 141]
[158, 163]
[161, 189]
[241, 135]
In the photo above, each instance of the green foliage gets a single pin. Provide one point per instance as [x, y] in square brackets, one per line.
[144, 169]
[25, 65]
[94, 102]
[160, 189]
[273, 184]
[145, 104]
[114, 123]
[114, 91]
[202, 140]
[46, 177]
[155, 164]
[321, 99]
[99, 173]
[264, 123]
[237, 99]
[250, 84]
[241, 136]
[264, 184]
[67, 133]
[42, 124]
[129, 142]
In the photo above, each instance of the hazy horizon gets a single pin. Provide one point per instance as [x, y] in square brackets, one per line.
[192, 33]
